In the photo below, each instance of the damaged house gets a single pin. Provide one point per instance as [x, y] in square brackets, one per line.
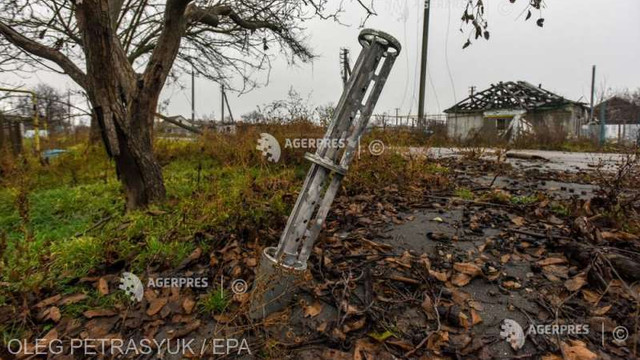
[509, 109]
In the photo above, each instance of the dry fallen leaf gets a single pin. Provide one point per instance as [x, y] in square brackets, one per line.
[188, 304]
[89, 314]
[403, 344]
[511, 285]
[72, 299]
[475, 317]
[577, 282]
[601, 311]
[460, 279]
[551, 261]
[556, 272]
[222, 318]
[365, 350]
[313, 310]
[54, 314]
[441, 276]
[577, 350]
[48, 301]
[355, 325]
[156, 305]
[476, 305]
[468, 269]
[518, 220]
[103, 286]
[464, 320]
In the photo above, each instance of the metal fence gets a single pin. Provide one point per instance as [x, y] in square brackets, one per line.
[406, 121]
[617, 133]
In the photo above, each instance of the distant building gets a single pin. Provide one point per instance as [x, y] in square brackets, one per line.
[618, 111]
[507, 108]
[224, 128]
[622, 121]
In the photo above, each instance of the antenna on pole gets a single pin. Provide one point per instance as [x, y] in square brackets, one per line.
[193, 94]
[593, 91]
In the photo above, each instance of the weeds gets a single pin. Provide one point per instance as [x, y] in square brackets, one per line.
[214, 302]
[560, 209]
[464, 193]
[523, 200]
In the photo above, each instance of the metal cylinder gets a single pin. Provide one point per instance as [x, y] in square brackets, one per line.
[283, 267]
[274, 284]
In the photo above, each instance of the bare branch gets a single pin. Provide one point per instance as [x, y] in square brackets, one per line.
[45, 52]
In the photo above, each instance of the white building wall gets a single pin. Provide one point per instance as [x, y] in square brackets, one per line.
[459, 126]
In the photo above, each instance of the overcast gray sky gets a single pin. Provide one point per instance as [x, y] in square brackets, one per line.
[576, 35]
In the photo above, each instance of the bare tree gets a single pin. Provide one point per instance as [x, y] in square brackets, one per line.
[325, 113]
[122, 52]
[52, 107]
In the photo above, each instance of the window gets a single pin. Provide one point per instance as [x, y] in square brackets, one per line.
[502, 124]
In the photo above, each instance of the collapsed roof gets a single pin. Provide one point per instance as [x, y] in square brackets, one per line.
[510, 95]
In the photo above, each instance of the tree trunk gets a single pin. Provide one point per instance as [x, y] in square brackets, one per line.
[136, 166]
[124, 105]
[94, 130]
[1, 133]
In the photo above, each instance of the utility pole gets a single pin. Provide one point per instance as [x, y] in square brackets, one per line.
[397, 116]
[222, 103]
[226, 101]
[603, 123]
[472, 90]
[69, 105]
[193, 95]
[423, 67]
[593, 90]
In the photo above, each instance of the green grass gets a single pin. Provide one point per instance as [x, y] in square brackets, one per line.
[77, 256]
[56, 239]
[214, 302]
[464, 193]
[523, 200]
[559, 209]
